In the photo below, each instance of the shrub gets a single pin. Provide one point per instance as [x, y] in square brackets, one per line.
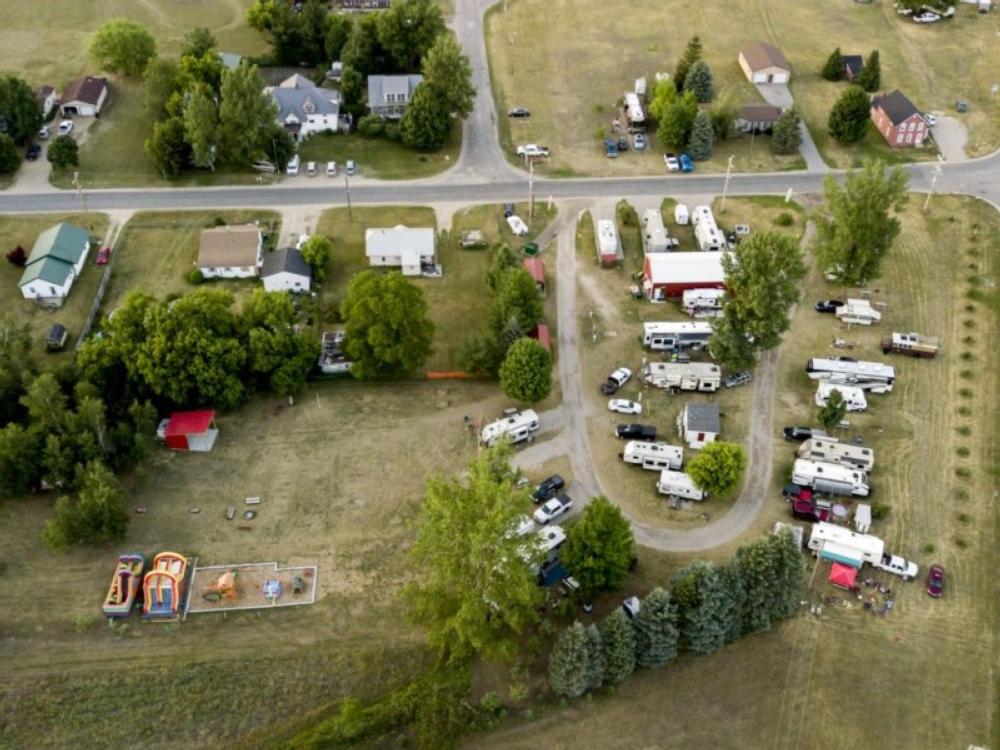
[964, 430]
[929, 549]
[17, 257]
[880, 510]
[83, 622]
[371, 126]
[785, 219]
[195, 276]
[963, 472]
[962, 451]
[961, 543]
[967, 356]
[963, 517]
[965, 392]
[218, 221]
[967, 374]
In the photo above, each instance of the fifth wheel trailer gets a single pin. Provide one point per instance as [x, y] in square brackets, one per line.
[831, 450]
[830, 478]
[872, 376]
[516, 427]
[678, 484]
[669, 335]
[653, 456]
[703, 303]
[684, 376]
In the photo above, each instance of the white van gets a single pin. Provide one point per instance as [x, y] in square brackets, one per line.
[331, 169]
[681, 215]
[293, 166]
[853, 397]
[311, 169]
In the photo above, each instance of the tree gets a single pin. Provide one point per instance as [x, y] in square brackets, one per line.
[201, 126]
[568, 667]
[246, 115]
[702, 136]
[408, 30]
[99, 516]
[312, 24]
[198, 42]
[167, 147]
[833, 411]
[20, 469]
[160, 81]
[698, 594]
[475, 586]
[280, 358]
[10, 155]
[205, 71]
[123, 46]
[699, 81]
[17, 257]
[426, 123]
[316, 252]
[501, 258]
[18, 109]
[790, 568]
[849, 116]
[724, 111]
[526, 372]
[448, 70]
[337, 31]
[46, 404]
[656, 630]
[859, 221]
[677, 120]
[871, 74]
[265, 15]
[664, 94]
[618, 641]
[692, 54]
[833, 69]
[595, 658]
[733, 601]
[598, 548]
[787, 134]
[64, 152]
[718, 467]
[758, 573]
[517, 300]
[387, 330]
[362, 51]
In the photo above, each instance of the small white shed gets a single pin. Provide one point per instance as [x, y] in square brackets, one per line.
[681, 215]
[699, 424]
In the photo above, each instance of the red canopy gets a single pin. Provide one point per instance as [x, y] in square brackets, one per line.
[189, 423]
[842, 575]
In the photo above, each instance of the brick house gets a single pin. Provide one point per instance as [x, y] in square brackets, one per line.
[899, 122]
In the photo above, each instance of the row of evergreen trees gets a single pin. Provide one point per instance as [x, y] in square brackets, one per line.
[703, 608]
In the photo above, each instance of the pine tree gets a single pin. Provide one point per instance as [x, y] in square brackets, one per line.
[790, 570]
[618, 641]
[702, 137]
[595, 658]
[871, 75]
[757, 569]
[849, 116]
[568, 662]
[699, 80]
[697, 592]
[692, 54]
[656, 630]
[733, 601]
[833, 69]
[787, 134]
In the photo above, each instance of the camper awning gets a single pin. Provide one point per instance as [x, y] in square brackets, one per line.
[841, 554]
[189, 423]
[842, 575]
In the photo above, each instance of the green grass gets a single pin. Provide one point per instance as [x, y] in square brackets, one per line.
[379, 157]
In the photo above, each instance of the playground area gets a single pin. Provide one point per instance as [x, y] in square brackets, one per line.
[229, 588]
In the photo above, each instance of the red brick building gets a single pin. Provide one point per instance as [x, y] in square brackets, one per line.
[899, 122]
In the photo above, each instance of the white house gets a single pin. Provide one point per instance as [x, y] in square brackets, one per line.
[304, 108]
[699, 424]
[84, 97]
[54, 264]
[285, 270]
[407, 247]
[230, 252]
[45, 96]
[388, 96]
[764, 63]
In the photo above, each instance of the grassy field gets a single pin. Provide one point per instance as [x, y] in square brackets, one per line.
[540, 54]
[23, 230]
[380, 157]
[923, 676]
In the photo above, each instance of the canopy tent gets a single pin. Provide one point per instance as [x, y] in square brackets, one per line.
[842, 575]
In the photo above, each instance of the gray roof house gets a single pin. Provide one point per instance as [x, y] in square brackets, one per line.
[304, 108]
[699, 424]
[388, 96]
[284, 270]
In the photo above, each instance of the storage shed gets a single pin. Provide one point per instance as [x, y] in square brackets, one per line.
[764, 63]
[699, 424]
[191, 431]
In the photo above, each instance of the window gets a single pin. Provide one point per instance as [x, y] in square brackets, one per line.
[909, 137]
[899, 138]
[913, 126]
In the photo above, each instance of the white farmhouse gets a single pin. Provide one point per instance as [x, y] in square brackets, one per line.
[230, 252]
[285, 270]
[54, 264]
[410, 248]
[304, 108]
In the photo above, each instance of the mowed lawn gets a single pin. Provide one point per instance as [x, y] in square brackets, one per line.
[23, 230]
[381, 158]
[923, 676]
[568, 62]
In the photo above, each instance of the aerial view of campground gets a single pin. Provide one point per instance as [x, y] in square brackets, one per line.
[500, 375]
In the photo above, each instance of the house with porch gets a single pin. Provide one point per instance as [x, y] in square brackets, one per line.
[389, 96]
[230, 252]
[304, 108]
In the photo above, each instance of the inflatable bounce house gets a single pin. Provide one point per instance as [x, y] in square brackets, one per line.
[163, 586]
[124, 585]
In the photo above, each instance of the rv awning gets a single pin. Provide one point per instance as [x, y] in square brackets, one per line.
[840, 553]
[189, 422]
[842, 575]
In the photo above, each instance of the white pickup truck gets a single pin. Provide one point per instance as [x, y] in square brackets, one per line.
[899, 566]
[532, 150]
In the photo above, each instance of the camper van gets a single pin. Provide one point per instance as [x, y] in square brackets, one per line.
[703, 303]
[672, 336]
[853, 397]
[515, 427]
[833, 451]
[683, 376]
[706, 232]
[858, 312]
[830, 478]
[654, 234]
[678, 484]
[871, 376]
[653, 456]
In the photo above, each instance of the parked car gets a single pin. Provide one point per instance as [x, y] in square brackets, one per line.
[518, 112]
[557, 506]
[639, 141]
[828, 305]
[930, 119]
[935, 581]
[687, 165]
[792, 491]
[517, 225]
[806, 510]
[351, 168]
[548, 488]
[103, 256]
[631, 607]
[610, 148]
[634, 431]
[292, 169]
[532, 151]
[623, 144]
[737, 378]
[615, 381]
[926, 17]
[508, 210]
[624, 406]
[43, 133]
[33, 152]
[65, 127]
[672, 164]
[311, 168]
[742, 230]
[798, 434]
[331, 169]
[961, 106]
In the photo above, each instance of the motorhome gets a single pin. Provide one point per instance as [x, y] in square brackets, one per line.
[633, 112]
[706, 232]
[678, 484]
[833, 451]
[858, 312]
[830, 478]
[609, 246]
[872, 376]
[913, 344]
[653, 456]
[515, 427]
[839, 544]
[654, 234]
[683, 376]
[854, 397]
[670, 335]
[703, 303]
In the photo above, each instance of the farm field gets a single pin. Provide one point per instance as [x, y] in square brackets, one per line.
[542, 66]
[935, 440]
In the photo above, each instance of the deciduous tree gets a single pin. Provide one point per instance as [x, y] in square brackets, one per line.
[718, 467]
[518, 300]
[664, 94]
[849, 116]
[787, 134]
[656, 630]
[700, 82]
[692, 54]
[526, 372]
[10, 155]
[17, 366]
[501, 258]
[698, 593]
[833, 68]
[447, 69]
[19, 109]
[167, 147]
[568, 662]
[408, 30]
[123, 46]
[337, 31]
[316, 252]
[99, 515]
[702, 136]
[598, 548]
[64, 152]
[160, 81]
[278, 357]
[246, 115]
[618, 640]
[198, 42]
[426, 123]
[20, 469]
[871, 74]
[677, 120]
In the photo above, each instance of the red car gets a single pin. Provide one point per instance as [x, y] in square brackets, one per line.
[935, 581]
[806, 510]
[103, 256]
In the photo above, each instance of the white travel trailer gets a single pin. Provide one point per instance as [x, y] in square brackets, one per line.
[515, 427]
[633, 111]
[671, 335]
[703, 303]
[678, 484]
[830, 478]
[706, 232]
[653, 456]
[681, 215]
[871, 376]
[607, 238]
[854, 397]
[858, 312]
[683, 376]
[654, 234]
[833, 451]
[842, 545]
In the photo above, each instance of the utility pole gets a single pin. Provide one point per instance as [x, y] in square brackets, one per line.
[937, 173]
[531, 189]
[725, 188]
[347, 182]
[79, 191]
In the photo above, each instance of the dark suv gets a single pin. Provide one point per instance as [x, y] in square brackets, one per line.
[635, 432]
[548, 488]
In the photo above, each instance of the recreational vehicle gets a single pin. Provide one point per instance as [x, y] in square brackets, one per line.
[853, 397]
[515, 427]
[633, 111]
[670, 336]
[872, 376]
[654, 234]
[830, 478]
[703, 303]
[913, 344]
[842, 545]
[683, 376]
[858, 312]
[332, 359]
[833, 451]
[607, 239]
[653, 456]
[706, 232]
[678, 484]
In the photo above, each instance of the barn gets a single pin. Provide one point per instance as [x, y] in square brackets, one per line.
[669, 274]
[189, 431]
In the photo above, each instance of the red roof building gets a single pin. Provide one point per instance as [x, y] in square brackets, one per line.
[536, 267]
[191, 431]
[669, 274]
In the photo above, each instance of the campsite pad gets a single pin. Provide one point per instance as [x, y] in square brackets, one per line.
[250, 578]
